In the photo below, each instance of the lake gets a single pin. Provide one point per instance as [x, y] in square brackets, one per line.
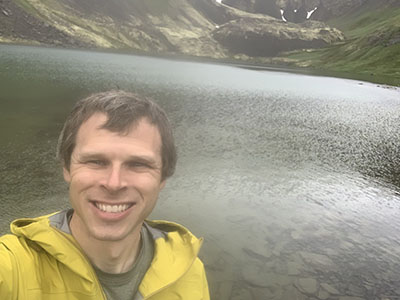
[293, 180]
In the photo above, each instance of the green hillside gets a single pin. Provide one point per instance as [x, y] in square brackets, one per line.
[90, 22]
[372, 46]
[370, 50]
[145, 26]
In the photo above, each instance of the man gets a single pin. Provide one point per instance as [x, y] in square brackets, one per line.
[117, 151]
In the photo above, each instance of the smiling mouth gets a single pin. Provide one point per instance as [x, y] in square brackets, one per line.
[113, 208]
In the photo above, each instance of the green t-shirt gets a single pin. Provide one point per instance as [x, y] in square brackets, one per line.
[124, 286]
[121, 286]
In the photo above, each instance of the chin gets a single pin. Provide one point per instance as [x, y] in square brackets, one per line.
[109, 238]
[109, 235]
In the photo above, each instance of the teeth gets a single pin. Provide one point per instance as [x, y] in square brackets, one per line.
[112, 208]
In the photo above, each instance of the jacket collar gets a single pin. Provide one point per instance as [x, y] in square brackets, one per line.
[56, 243]
[176, 248]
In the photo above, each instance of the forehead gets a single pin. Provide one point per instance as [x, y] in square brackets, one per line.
[141, 132]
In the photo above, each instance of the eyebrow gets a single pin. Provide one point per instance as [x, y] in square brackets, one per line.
[141, 158]
[89, 155]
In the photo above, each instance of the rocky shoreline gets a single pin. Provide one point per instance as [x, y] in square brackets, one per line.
[288, 270]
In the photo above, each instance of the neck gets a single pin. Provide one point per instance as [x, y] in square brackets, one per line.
[109, 256]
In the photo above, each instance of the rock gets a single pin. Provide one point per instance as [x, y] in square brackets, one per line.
[355, 290]
[307, 285]
[256, 6]
[291, 293]
[279, 246]
[323, 295]
[5, 12]
[295, 13]
[330, 289]
[251, 275]
[258, 251]
[317, 259]
[266, 293]
[257, 276]
[350, 298]
[246, 5]
[280, 266]
[294, 268]
[264, 36]
[326, 8]
[240, 295]
[223, 290]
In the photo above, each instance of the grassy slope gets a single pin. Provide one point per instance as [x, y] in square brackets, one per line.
[97, 29]
[52, 12]
[372, 46]
[151, 26]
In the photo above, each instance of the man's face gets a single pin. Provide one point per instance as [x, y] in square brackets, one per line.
[114, 178]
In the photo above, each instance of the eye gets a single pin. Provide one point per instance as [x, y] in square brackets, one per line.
[96, 162]
[138, 164]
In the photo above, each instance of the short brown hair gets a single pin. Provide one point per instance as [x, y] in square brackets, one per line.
[123, 110]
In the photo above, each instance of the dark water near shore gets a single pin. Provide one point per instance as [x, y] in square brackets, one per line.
[293, 180]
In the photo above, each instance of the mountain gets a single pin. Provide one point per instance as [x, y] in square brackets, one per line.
[262, 36]
[190, 27]
[154, 26]
[346, 35]
[371, 47]
[267, 7]
[296, 10]
[371, 28]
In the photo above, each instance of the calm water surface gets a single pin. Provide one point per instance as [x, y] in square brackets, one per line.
[293, 180]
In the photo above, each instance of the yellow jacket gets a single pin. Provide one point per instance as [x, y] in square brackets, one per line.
[40, 262]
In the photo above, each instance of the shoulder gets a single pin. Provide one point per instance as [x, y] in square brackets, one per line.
[17, 253]
[12, 245]
[176, 243]
[166, 225]
[27, 242]
[8, 244]
[162, 229]
[176, 264]
[172, 237]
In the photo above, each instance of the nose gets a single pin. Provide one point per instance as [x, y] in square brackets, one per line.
[114, 180]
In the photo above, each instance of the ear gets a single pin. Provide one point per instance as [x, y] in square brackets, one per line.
[162, 184]
[67, 175]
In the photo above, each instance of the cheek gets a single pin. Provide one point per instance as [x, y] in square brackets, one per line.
[82, 180]
[147, 183]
